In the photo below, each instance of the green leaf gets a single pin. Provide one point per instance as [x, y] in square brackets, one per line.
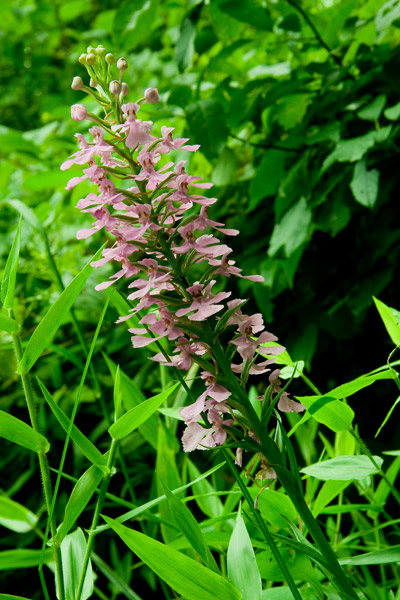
[292, 231]
[132, 396]
[73, 550]
[327, 493]
[226, 168]
[27, 213]
[344, 468]
[52, 320]
[10, 274]
[379, 557]
[188, 525]
[385, 16]
[22, 558]
[20, 433]
[365, 184]
[290, 110]
[115, 579]
[277, 593]
[207, 499]
[11, 597]
[373, 111]
[241, 561]
[15, 516]
[348, 389]
[268, 176]
[329, 411]
[274, 506]
[80, 496]
[392, 113]
[133, 21]
[350, 150]
[184, 575]
[87, 448]
[138, 415]
[184, 48]
[248, 11]
[207, 125]
[7, 324]
[389, 319]
[117, 394]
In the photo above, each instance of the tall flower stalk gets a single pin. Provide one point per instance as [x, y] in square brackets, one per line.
[170, 251]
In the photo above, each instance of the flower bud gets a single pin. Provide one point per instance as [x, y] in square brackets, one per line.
[110, 58]
[77, 83]
[122, 64]
[91, 59]
[82, 59]
[78, 112]
[125, 89]
[151, 95]
[115, 87]
[93, 83]
[101, 51]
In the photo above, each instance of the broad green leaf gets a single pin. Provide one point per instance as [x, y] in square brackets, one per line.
[268, 176]
[20, 433]
[11, 597]
[379, 557]
[15, 516]
[292, 231]
[10, 274]
[184, 48]
[211, 505]
[389, 319]
[248, 11]
[206, 122]
[350, 150]
[344, 468]
[135, 417]
[277, 593]
[365, 184]
[339, 509]
[392, 113]
[52, 320]
[133, 21]
[22, 558]
[133, 396]
[329, 411]
[7, 324]
[388, 13]
[73, 548]
[241, 561]
[291, 109]
[226, 168]
[277, 508]
[348, 389]
[78, 499]
[298, 563]
[373, 111]
[327, 493]
[188, 525]
[84, 444]
[184, 575]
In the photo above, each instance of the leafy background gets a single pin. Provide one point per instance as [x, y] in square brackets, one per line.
[296, 107]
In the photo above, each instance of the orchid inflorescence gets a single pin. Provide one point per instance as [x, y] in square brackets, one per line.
[159, 225]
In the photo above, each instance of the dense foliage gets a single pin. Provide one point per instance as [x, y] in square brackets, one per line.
[296, 107]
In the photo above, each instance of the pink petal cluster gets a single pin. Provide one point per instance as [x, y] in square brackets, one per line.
[158, 221]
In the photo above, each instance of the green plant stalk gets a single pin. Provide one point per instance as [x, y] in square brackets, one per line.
[43, 464]
[268, 537]
[274, 457]
[96, 516]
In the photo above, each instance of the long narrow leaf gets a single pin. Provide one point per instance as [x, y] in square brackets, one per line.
[242, 565]
[7, 324]
[20, 433]
[138, 415]
[73, 550]
[52, 320]
[186, 576]
[10, 272]
[85, 445]
[15, 516]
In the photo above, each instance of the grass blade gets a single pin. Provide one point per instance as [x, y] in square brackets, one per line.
[10, 272]
[20, 433]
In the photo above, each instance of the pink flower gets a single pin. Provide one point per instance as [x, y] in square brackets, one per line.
[151, 95]
[204, 303]
[78, 112]
[285, 404]
[138, 132]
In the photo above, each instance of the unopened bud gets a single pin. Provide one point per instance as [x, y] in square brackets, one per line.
[115, 87]
[78, 112]
[101, 51]
[125, 89]
[110, 58]
[91, 59]
[122, 64]
[151, 95]
[93, 83]
[82, 59]
[77, 83]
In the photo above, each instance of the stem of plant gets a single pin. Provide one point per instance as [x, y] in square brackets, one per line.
[96, 516]
[43, 464]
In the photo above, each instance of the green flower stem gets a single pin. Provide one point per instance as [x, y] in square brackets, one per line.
[267, 534]
[96, 516]
[43, 464]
